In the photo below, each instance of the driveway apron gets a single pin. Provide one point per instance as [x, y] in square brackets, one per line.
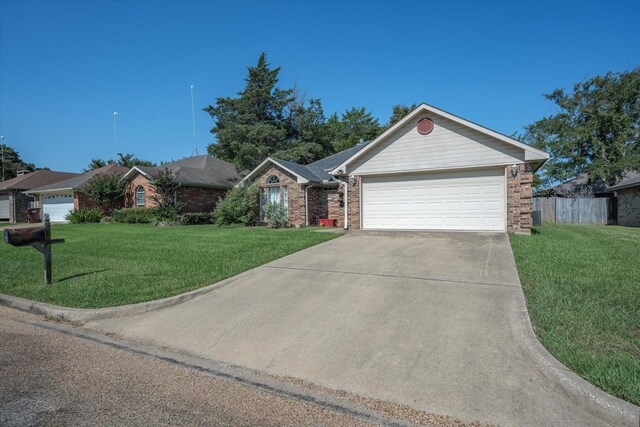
[429, 320]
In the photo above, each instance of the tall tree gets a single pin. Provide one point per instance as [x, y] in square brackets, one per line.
[398, 112]
[11, 163]
[127, 160]
[353, 126]
[265, 120]
[597, 129]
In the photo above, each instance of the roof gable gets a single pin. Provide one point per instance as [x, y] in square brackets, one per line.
[529, 154]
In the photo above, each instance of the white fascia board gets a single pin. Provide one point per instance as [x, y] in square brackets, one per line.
[531, 153]
[254, 172]
[53, 190]
[132, 171]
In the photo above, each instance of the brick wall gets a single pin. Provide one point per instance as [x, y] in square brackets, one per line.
[519, 199]
[354, 203]
[81, 200]
[197, 199]
[130, 192]
[297, 215]
[629, 207]
[18, 205]
[325, 204]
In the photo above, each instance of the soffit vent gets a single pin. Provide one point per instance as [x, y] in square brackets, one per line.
[425, 126]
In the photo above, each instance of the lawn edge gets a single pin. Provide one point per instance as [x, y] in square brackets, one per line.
[607, 407]
[82, 315]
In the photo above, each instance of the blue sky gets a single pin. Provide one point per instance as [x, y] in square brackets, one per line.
[66, 66]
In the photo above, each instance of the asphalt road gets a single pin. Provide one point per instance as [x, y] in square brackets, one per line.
[53, 378]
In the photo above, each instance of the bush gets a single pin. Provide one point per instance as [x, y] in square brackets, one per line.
[240, 206]
[79, 216]
[165, 186]
[106, 190]
[196, 218]
[134, 215]
[276, 216]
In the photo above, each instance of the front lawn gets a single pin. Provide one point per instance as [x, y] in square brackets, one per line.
[103, 265]
[582, 285]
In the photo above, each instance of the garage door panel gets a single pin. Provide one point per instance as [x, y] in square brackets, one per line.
[4, 206]
[471, 200]
[57, 206]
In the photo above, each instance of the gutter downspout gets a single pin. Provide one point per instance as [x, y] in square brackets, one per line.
[346, 202]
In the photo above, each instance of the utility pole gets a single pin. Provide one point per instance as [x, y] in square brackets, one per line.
[193, 121]
[2, 143]
[115, 114]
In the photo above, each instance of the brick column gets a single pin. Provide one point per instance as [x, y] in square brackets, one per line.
[354, 204]
[519, 199]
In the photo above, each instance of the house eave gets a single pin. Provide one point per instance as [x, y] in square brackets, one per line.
[251, 175]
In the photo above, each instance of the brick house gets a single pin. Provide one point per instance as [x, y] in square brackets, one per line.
[203, 181]
[628, 195]
[430, 171]
[14, 201]
[61, 197]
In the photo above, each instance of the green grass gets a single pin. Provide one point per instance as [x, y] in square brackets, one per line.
[582, 285]
[103, 265]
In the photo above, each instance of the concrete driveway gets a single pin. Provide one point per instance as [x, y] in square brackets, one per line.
[431, 320]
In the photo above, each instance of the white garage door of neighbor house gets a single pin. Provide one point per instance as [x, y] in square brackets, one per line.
[4, 206]
[57, 206]
[465, 200]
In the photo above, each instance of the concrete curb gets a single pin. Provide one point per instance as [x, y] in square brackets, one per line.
[82, 315]
[606, 407]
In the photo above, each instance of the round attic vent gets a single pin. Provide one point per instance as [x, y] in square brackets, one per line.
[425, 126]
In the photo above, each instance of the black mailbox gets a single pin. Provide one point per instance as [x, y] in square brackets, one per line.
[24, 236]
[36, 237]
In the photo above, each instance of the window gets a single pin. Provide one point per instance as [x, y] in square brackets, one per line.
[285, 199]
[261, 203]
[140, 196]
[273, 195]
[273, 180]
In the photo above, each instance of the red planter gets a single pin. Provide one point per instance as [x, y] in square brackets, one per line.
[326, 222]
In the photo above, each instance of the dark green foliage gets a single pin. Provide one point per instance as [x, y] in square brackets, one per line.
[134, 215]
[355, 125]
[398, 112]
[127, 160]
[13, 163]
[240, 206]
[196, 218]
[165, 187]
[80, 216]
[265, 120]
[597, 129]
[106, 191]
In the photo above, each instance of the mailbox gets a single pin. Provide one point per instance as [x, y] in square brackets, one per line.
[24, 236]
[37, 237]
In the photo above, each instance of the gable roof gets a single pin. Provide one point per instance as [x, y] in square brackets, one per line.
[35, 179]
[627, 183]
[316, 172]
[197, 171]
[531, 154]
[78, 182]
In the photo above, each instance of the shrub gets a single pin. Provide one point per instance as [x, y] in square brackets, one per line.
[106, 190]
[79, 216]
[240, 206]
[276, 216]
[134, 215]
[165, 186]
[196, 218]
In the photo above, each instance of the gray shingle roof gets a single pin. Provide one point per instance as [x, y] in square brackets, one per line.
[199, 171]
[35, 179]
[78, 182]
[631, 182]
[318, 171]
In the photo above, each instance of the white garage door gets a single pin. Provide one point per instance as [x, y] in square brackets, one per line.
[57, 206]
[4, 206]
[469, 200]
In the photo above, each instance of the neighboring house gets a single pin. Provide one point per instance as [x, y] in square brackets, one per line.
[203, 181]
[431, 170]
[628, 195]
[581, 187]
[13, 200]
[64, 196]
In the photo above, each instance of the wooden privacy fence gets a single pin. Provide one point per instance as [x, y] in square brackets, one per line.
[581, 210]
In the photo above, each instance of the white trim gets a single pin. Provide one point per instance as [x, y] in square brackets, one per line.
[134, 169]
[254, 172]
[531, 153]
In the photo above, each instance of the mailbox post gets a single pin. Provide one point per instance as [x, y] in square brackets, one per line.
[38, 238]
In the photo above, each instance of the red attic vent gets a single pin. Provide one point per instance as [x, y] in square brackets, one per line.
[425, 126]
